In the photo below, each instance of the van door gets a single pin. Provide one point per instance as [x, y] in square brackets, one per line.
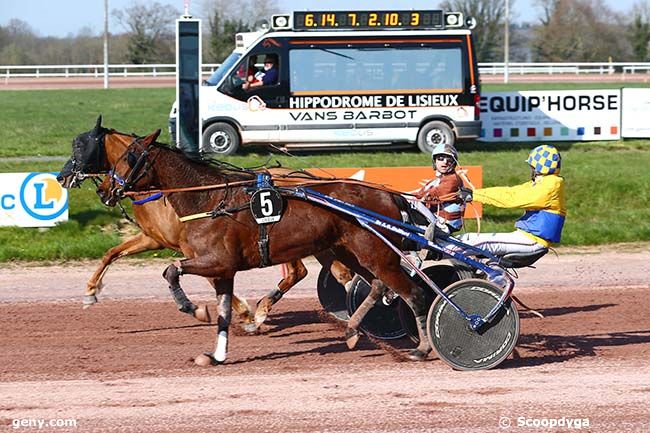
[258, 82]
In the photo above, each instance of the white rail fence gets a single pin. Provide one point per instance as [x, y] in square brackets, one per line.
[95, 71]
[162, 70]
[601, 68]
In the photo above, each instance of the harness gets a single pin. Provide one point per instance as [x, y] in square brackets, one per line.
[263, 183]
[265, 204]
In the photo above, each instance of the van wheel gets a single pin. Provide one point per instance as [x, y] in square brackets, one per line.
[220, 139]
[433, 133]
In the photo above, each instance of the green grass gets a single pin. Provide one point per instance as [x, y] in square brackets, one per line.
[44, 122]
[607, 182]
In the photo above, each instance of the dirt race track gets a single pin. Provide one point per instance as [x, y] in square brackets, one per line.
[125, 365]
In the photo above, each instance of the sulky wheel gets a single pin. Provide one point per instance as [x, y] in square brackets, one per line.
[442, 274]
[332, 295]
[382, 320]
[460, 346]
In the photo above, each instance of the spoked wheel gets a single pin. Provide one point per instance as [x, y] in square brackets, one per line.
[382, 321]
[443, 275]
[460, 346]
[332, 295]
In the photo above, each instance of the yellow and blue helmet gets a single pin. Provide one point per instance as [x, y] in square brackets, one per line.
[545, 159]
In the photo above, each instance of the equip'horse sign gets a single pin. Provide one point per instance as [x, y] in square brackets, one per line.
[32, 200]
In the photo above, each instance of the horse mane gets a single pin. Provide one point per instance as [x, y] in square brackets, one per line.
[224, 168]
[208, 169]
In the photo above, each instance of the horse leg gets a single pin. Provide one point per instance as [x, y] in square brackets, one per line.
[385, 267]
[296, 271]
[352, 330]
[341, 273]
[420, 352]
[224, 289]
[414, 297]
[205, 266]
[172, 275]
[133, 245]
[245, 312]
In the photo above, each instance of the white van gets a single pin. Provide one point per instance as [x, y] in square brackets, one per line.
[346, 78]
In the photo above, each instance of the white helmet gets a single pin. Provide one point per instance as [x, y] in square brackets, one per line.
[444, 149]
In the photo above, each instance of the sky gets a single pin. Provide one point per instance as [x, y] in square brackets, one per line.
[61, 18]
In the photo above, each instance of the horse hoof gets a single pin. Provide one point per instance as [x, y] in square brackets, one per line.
[416, 355]
[203, 314]
[351, 338]
[259, 319]
[89, 301]
[249, 328]
[206, 360]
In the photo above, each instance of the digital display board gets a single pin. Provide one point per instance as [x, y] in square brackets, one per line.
[364, 20]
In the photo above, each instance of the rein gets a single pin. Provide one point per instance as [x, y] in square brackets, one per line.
[190, 188]
[280, 178]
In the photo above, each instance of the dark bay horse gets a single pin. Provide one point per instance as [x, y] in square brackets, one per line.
[95, 152]
[228, 243]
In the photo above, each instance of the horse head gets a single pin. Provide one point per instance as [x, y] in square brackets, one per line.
[88, 156]
[130, 171]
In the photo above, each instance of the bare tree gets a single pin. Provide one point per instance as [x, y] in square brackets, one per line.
[490, 20]
[248, 12]
[151, 31]
[226, 19]
[259, 10]
[20, 44]
[579, 30]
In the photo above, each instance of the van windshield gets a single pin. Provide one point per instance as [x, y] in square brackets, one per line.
[219, 73]
[435, 68]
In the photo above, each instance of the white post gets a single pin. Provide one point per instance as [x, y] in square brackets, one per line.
[105, 44]
[506, 51]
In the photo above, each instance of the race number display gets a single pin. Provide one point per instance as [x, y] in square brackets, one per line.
[368, 20]
[266, 206]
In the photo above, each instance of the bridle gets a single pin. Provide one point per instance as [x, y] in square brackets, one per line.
[119, 185]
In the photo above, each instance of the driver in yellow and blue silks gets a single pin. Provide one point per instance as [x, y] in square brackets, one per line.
[542, 198]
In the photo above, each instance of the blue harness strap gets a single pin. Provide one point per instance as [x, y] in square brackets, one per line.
[152, 197]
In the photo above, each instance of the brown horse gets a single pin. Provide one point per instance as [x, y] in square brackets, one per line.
[228, 242]
[95, 152]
